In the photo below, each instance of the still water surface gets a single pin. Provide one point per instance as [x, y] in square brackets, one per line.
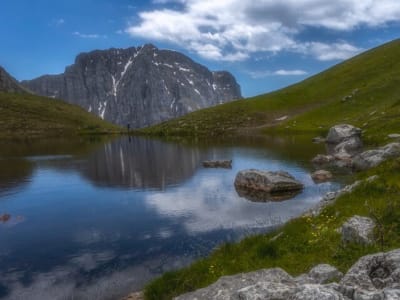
[96, 220]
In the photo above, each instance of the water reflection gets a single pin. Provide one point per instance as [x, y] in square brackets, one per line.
[142, 163]
[102, 220]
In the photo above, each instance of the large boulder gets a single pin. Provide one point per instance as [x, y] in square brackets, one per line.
[358, 230]
[342, 132]
[373, 158]
[273, 283]
[267, 181]
[374, 277]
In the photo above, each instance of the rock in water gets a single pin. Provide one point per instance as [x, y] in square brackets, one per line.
[321, 176]
[138, 86]
[275, 183]
[342, 132]
[227, 164]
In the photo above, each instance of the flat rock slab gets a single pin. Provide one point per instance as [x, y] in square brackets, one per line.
[267, 181]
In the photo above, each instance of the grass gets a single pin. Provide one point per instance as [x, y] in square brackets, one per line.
[26, 115]
[313, 105]
[303, 242]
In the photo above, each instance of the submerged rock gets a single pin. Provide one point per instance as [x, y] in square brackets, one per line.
[227, 164]
[266, 181]
[358, 230]
[321, 176]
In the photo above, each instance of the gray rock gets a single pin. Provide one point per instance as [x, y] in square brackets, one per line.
[321, 176]
[358, 230]
[266, 181]
[325, 273]
[227, 164]
[321, 159]
[373, 158]
[351, 145]
[229, 287]
[318, 139]
[138, 86]
[317, 292]
[374, 277]
[342, 132]
[394, 136]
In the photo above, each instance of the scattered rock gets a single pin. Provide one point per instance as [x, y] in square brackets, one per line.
[282, 118]
[342, 132]
[266, 181]
[135, 296]
[358, 230]
[227, 164]
[372, 277]
[321, 176]
[394, 136]
[321, 159]
[373, 158]
[5, 218]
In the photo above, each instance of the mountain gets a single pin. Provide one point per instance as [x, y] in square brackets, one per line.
[363, 91]
[138, 86]
[23, 115]
[8, 84]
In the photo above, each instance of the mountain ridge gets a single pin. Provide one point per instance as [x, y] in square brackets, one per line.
[138, 86]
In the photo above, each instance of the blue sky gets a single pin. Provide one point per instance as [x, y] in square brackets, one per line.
[266, 44]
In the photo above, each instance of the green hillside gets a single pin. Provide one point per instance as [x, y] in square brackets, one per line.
[364, 91]
[26, 115]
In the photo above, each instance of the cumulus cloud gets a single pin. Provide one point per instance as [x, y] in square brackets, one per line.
[233, 30]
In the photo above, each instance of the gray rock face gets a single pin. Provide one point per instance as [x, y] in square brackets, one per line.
[342, 132]
[373, 158]
[138, 86]
[373, 277]
[358, 230]
[267, 181]
[8, 84]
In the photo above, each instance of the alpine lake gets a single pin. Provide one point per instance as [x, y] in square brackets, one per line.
[96, 218]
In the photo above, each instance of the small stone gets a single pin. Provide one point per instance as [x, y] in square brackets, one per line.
[321, 159]
[321, 176]
[227, 164]
[358, 230]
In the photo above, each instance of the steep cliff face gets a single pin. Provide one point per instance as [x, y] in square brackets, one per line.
[8, 84]
[138, 86]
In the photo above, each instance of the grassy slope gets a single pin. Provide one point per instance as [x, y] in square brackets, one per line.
[312, 105]
[26, 115]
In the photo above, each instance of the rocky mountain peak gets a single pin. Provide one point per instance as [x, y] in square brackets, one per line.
[9, 84]
[138, 86]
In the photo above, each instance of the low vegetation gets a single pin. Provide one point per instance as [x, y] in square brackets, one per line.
[26, 115]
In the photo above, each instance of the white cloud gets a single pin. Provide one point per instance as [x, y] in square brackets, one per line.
[235, 29]
[282, 72]
[88, 35]
[335, 51]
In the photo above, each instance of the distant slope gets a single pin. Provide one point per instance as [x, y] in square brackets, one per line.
[26, 115]
[364, 90]
[8, 84]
